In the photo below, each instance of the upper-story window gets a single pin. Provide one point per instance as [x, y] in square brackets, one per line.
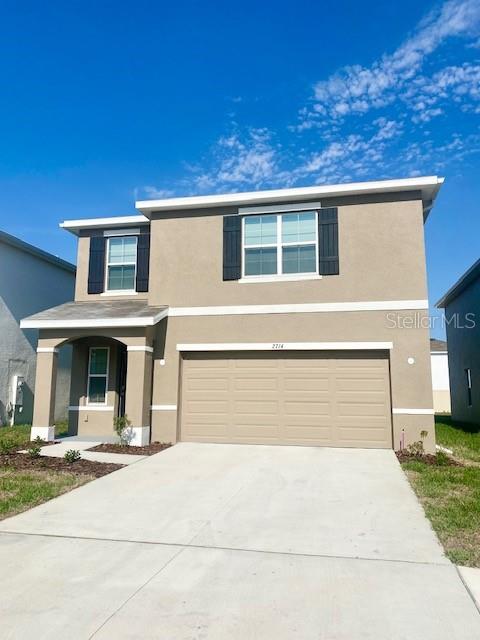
[280, 244]
[121, 263]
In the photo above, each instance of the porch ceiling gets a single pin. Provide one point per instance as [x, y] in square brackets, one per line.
[109, 313]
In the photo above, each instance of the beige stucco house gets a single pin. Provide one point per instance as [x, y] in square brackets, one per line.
[296, 316]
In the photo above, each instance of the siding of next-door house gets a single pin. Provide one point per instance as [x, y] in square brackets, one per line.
[29, 284]
[464, 352]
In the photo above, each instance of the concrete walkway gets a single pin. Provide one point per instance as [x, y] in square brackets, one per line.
[81, 444]
[227, 541]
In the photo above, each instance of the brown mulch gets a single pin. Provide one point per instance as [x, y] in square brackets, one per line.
[23, 462]
[147, 450]
[427, 458]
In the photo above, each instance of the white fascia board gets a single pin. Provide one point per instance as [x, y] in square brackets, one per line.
[413, 412]
[74, 226]
[93, 324]
[314, 307]
[286, 346]
[428, 185]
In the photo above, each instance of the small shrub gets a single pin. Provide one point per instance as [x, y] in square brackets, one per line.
[442, 460]
[8, 445]
[416, 448]
[72, 455]
[34, 451]
[121, 426]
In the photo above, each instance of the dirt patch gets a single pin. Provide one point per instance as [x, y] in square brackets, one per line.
[147, 450]
[23, 462]
[428, 458]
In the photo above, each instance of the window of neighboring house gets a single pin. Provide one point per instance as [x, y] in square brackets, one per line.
[121, 263]
[468, 380]
[280, 244]
[97, 375]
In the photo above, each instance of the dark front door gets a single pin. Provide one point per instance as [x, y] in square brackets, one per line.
[122, 379]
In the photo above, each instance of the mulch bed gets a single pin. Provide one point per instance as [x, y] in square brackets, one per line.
[427, 458]
[23, 462]
[147, 450]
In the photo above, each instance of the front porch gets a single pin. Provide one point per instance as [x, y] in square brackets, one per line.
[111, 367]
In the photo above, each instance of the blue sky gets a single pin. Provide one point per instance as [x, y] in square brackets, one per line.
[105, 102]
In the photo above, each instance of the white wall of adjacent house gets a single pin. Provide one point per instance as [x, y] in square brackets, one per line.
[440, 382]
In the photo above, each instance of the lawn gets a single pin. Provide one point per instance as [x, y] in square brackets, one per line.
[450, 495]
[21, 489]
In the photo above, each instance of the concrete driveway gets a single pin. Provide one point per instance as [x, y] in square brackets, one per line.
[229, 541]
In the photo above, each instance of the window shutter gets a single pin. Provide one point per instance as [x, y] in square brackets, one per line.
[143, 261]
[96, 265]
[232, 247]
[328, 241]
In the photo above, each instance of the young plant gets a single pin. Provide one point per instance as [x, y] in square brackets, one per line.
[121, 426]
[34, 451]
[72, 455]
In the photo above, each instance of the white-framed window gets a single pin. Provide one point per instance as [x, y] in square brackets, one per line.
[97, 384]
[280, 244]
[121, 267]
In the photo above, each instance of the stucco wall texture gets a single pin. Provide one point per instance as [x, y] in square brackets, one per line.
[29, 284]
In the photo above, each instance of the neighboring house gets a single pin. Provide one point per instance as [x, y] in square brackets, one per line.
[440, 381]
[294, 316]
[462, 314]
[30, 280]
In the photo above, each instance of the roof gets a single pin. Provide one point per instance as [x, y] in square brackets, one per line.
[35, 251]
[438, 346]
[468, 277]
[75, 226]
[428, 186]
[83, 315]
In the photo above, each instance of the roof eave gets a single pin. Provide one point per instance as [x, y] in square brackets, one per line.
[75, 226]
[428, 185]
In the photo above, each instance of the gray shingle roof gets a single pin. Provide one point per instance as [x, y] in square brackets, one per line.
[108, 313]
[35, 251]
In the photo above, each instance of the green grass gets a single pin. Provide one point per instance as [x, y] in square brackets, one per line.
[21, 490]
[12, 438]
[451, 495]
[463, 440]
[451, 499]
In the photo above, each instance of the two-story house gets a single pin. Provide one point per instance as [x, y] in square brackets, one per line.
[296, 316]
[30, 280]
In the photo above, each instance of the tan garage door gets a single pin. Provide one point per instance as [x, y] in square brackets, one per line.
[312, 398]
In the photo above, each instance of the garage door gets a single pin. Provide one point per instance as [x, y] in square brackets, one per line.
[329, 399]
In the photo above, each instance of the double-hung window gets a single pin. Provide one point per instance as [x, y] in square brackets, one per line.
[121, 263]
[97, 375]
[280, 244]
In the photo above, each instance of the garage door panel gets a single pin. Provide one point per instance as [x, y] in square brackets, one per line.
[256, 383]
[316, 409]
[332, 399]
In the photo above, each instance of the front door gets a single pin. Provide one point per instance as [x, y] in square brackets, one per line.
[122, 380]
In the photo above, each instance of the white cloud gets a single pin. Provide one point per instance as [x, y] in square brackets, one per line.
[356, 89]
[239, 160]
[152, 193]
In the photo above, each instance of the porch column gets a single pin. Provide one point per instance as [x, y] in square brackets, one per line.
[138, 394]
[44, 401]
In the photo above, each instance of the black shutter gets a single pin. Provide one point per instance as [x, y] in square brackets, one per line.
[232, 247]
[96, 265]
[328, 241]
[143, 261]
